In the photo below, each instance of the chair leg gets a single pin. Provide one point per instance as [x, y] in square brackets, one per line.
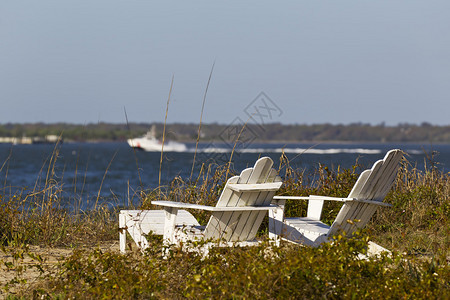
[169, 224]
[276, 217]
[122, 233]
[315, 205]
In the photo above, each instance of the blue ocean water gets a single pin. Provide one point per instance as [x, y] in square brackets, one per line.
[114, 170]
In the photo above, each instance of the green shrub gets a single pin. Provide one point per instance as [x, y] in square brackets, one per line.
[417, 226]
[262, 272]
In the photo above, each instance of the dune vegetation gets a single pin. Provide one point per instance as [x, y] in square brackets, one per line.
[48, 252]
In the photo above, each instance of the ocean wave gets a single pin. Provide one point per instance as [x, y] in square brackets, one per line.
[414, 151]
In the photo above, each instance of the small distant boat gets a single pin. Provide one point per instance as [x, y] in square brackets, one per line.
[150, 143]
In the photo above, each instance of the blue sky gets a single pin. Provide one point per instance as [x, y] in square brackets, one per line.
[84, 61]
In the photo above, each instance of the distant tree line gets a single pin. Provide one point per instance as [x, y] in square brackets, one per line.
[357, 132]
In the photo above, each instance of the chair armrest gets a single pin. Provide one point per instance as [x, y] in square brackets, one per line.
[212, 208]
[290, 198]
[255, 187]
[314, 207]
[374, 202]
[313, 197]
[181, 205]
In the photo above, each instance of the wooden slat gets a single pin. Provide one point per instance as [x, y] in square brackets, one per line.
[219, 220]
[258, 187]
[392, 160]
[234, 219]
[375, 174]
[391, 164]
[375, 187]
[356, 190]
[239, 222]
[255, 219]
[259, 174]
[384, 178]
[383, 185]
[353, 211]
[308, 224]
[341, 217]
[262, 200]
[364, 212]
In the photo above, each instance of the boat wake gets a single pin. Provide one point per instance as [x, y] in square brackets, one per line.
[292, 150]
[150, 143]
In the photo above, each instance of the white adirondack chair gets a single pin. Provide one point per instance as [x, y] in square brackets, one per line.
[238, 214]
[367, 194]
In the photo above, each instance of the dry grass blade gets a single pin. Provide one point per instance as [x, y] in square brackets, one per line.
[103, 179]
[200, 123]
[164, 132]
[134, 150]
[417, 225]
[6, 162]
[234, 148]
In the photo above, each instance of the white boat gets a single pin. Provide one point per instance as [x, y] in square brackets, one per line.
[150, 143]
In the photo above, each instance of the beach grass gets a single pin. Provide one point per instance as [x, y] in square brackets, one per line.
[416, 228]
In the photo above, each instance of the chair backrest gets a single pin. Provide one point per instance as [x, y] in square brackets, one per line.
[373, 184]
[242, 225]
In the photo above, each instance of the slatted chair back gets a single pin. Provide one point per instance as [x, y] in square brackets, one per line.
[242, 225]
[373, 184]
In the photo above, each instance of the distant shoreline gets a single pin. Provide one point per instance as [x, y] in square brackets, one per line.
[248, 133]
[218, 142]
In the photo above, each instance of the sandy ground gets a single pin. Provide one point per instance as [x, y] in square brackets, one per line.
[9, 268]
